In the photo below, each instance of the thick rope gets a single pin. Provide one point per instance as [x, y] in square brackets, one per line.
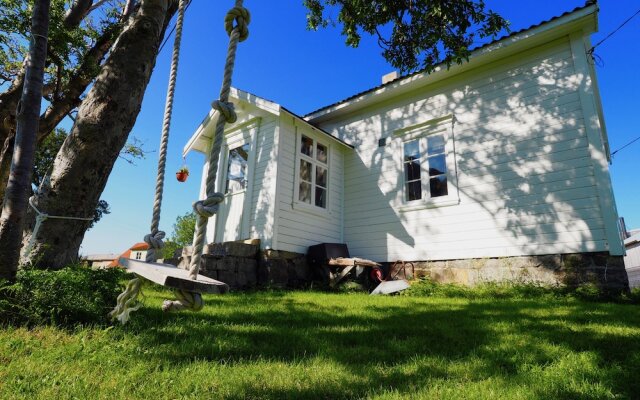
[154, 239]
[185, 300]
[207, 207]
[127, 301]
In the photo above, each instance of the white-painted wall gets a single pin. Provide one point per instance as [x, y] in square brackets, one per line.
[632, 264]
[632, 258]
[260, 201]
[263, 178]
[529, 169]
[297, 226]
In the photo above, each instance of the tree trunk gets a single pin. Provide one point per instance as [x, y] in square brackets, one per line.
[8, 105]
[102, 126]
[18, 187]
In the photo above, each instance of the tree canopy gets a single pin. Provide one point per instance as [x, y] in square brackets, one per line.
[182, 235]
[413, 34]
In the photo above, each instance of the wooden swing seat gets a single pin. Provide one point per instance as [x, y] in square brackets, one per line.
[173, 277]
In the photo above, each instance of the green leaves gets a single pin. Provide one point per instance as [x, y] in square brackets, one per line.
[182, 235]
[66, 46]
[413, 34]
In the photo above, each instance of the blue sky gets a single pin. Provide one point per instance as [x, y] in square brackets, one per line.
[305, 70]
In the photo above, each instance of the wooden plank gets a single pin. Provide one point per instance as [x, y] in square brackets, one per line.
[389, 287]
[354, 261]
[334, 282]
[173, 277]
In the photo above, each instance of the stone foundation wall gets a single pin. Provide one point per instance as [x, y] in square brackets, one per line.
[283, 269]
[572, 270]
[242, 265]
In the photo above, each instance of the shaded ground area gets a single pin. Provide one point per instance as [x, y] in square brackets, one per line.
[315, 345]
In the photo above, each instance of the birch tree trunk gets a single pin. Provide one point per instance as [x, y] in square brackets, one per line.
[102, 126]
[28, 116]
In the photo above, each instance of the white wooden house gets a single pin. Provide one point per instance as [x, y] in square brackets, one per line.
[632, 258]
[505, 155]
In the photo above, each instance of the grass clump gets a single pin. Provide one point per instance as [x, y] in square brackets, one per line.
[510, 290]
[489, 290]
[74, 295]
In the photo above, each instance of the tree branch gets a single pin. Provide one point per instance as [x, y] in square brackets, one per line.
[79, 9]
[78, 82]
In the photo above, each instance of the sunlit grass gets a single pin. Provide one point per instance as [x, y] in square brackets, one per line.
[317, 345]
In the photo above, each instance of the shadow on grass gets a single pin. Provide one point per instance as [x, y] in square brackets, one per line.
[406, 344]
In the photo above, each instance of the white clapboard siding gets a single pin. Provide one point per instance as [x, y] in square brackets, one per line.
[525, 177]
[297, 228]
[263, 180]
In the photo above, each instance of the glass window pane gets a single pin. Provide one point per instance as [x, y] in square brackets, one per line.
[306, 146]
[438, 186]
[437, 165]
[435, 144]
[321, 197]
[305, 192]
[411, 151]
[412, 170]
[321, 177]
[237, 169]
[305, 170]
[321, 153]
[414, 191]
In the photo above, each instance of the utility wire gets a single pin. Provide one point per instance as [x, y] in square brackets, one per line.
[612, 33]
[173, 29]
[626, 145]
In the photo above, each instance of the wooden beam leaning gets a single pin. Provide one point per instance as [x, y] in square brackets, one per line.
[173, 277]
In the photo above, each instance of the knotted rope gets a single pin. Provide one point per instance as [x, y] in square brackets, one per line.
[236, 24]
[127, 300]
[206, 208]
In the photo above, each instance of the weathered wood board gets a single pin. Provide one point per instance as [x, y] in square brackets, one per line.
[336, 279]
[354, 261]
[172, 277]
[389, 287]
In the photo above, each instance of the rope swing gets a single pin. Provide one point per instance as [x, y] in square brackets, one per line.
[236, 25]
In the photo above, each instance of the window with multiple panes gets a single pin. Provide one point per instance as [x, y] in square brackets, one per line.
[313, 174]
[237, 169]
[425, 168]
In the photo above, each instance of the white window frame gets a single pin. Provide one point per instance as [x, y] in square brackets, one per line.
[441, 126]
[301, 205]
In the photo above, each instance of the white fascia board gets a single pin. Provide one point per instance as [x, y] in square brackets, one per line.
[257, 101]
[204, 132]
[582, 20]
[316, 129]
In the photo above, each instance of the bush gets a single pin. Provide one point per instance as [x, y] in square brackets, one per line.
[74, 295]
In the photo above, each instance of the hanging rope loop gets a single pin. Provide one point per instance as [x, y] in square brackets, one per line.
[209, 206]
[127, 301]
[241, 17]
[227, 109]
[185, 300]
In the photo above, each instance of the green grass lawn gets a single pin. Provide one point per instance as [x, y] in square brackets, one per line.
[300, 345]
